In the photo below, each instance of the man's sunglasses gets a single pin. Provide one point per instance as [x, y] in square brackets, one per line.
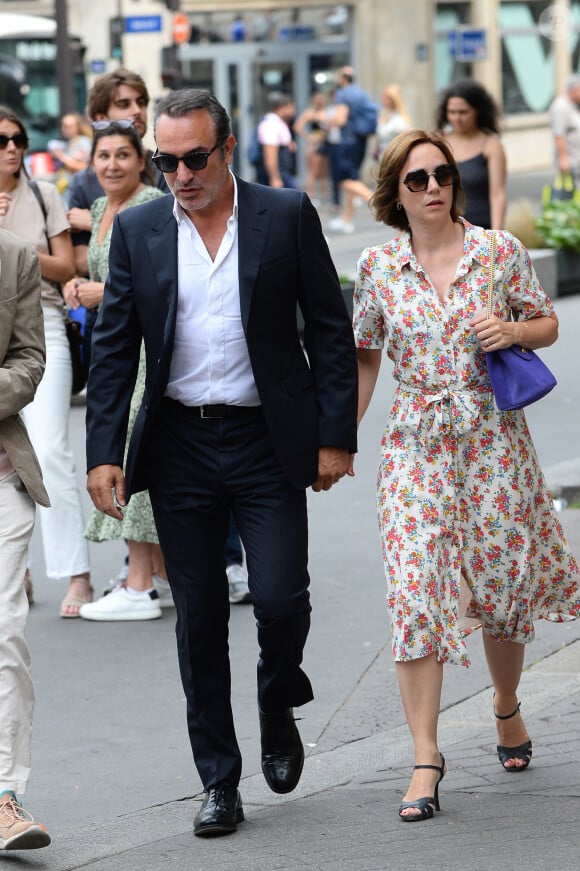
[418, 180]
[19, 140]
[194, 160]
[108, 123]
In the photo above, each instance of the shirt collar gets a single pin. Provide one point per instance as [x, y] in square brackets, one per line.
[475, 246]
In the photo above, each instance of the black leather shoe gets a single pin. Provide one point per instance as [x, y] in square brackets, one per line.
[282, 750]
[220, 812]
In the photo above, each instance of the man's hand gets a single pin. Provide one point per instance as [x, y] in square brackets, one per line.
[79, 219]
[333, 464]
[90, 293]
[564, 163]
[101, 483]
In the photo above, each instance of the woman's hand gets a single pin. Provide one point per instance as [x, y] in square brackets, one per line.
[5, 200]
[538, 332]
[493, 333]
[70, 294]
[90, 293]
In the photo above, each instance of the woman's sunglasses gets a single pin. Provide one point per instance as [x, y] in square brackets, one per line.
[194, 160]
[108, 123]
[417, 181]
[19, 140]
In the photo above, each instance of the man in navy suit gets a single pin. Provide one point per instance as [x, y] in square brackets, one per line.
[235, 416]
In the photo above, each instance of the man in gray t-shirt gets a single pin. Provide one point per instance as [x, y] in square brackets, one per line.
[565, 120]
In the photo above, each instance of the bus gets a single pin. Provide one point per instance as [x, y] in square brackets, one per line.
[28, 82]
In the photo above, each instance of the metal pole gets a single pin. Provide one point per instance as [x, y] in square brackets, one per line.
[64, 71]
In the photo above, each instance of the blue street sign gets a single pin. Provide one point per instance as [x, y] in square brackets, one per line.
[467, 44]
[97, 66]
[143, 24]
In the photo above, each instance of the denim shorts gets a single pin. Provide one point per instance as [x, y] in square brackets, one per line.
[349, 158]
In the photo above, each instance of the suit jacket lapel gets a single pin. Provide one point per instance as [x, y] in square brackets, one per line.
[253, 225]
[162, 244]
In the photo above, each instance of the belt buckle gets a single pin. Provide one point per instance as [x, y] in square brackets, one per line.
[206, 416]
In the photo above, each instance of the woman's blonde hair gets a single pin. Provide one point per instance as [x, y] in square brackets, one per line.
[393, 92]
[83, 126]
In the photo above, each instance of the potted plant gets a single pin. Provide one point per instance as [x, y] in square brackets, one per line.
[559, 227]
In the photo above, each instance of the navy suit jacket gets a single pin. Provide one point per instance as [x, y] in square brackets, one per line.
[308, 400]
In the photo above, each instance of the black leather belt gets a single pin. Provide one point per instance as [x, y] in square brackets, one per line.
[219, 411]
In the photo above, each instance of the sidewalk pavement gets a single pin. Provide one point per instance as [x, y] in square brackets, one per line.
[343, 815]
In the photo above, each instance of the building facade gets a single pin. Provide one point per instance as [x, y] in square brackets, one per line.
[522, 50]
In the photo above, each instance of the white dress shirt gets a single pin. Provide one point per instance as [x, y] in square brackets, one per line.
[210, 362]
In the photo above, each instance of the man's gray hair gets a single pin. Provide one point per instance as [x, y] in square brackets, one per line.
[178, 104]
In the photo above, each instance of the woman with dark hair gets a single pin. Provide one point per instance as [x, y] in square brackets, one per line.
[468, 118]
[122, 188]
[118, 158]
[468, 528]
[43, 222]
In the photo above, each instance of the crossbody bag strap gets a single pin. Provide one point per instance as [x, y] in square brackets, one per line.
[491, 274]
[33, 185]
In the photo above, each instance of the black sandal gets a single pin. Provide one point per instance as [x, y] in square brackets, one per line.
[522, 751]
[426, 805]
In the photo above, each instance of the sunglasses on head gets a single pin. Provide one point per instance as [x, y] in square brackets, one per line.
[19, 140]
[417, 181]
[194, 160]
[106, 123]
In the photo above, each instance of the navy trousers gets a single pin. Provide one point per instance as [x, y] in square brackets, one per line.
[200, 471]
[234, 555]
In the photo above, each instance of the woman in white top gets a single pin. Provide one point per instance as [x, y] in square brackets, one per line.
[393, 118]
[47, 417]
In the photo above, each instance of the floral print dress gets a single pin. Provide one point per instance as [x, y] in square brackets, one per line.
[467, 525]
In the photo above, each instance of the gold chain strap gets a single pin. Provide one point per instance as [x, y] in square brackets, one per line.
[491, 275]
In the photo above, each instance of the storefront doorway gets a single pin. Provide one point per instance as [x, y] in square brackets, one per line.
[241, 75]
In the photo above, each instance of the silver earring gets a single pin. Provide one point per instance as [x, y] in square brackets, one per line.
[399, 207]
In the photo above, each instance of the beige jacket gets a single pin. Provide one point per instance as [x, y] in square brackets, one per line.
[22, 355]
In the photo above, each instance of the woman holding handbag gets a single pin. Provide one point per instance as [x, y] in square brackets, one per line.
[118, 159]
[469, 532]
[47, 417]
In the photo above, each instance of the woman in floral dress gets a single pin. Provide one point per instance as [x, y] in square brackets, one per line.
[118, 158]
[469, 533]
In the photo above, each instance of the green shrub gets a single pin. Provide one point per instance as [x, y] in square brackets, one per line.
[559, 225]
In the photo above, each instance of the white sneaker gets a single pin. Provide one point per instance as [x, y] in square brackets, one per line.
[337, 225]
[117, 582]
[163, 590]
[121, 605]
[238, 584]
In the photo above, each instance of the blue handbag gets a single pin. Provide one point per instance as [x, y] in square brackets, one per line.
[518, 376]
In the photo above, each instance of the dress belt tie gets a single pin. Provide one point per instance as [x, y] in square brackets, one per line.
[455, 408]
